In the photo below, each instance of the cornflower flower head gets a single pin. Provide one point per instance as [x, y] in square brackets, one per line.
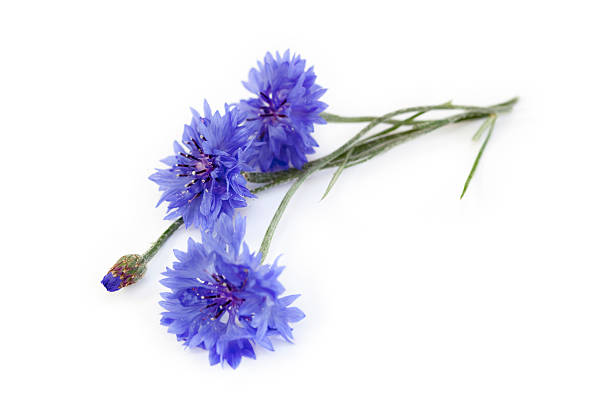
[282, 114]
[222, 299]
[204, 176]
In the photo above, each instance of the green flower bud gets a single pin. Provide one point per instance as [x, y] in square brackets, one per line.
[126, 271]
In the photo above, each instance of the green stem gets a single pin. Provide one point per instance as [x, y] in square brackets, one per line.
[330, 117]
[321, 163]
[176, 224]
[355, 152]
[162, 238]
[388, 141]
[364, 148]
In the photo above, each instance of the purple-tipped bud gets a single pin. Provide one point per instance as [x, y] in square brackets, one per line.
[126, 271]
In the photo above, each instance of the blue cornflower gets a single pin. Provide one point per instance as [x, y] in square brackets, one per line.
[222, 299]
[282, 114]
[204, 178]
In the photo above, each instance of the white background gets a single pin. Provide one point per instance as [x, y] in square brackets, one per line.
[412, 297]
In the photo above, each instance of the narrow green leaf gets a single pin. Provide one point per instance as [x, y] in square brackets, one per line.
[390, 129]
[337, 173]
[482, 148]
[481, 129]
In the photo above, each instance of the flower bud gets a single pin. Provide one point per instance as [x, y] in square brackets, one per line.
[126, 271]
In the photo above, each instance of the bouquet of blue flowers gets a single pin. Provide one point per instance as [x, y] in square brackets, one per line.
[222, 296]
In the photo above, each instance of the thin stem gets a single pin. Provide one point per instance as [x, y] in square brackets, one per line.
[176, 224]
[364, 149]
[267, 186]
[330, 117]
[265, 243]
[371, 146]
[321, 163]
[360, 151]
[476, 113]
[162, 238]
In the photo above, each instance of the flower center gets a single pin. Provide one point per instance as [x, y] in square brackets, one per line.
[196, 165]
[216, 297]
[204, 166]
[271, 109]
